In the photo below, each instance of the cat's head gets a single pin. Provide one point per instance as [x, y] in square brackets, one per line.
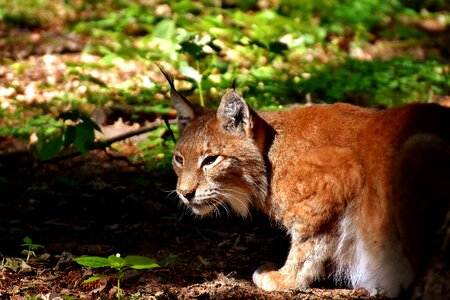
[217, 159]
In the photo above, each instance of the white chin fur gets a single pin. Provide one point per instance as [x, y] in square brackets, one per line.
[202, 210]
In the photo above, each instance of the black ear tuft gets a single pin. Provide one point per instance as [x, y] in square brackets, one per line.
[184, 108]
[234, 83]
[168, 77]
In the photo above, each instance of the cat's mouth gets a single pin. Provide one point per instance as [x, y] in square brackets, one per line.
[201, 209]
[199, 205]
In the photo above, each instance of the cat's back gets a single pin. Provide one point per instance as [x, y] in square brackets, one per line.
[343, 124]
[302, 129]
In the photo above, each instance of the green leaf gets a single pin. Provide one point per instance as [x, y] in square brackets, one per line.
[35, 246]
[48, 149]
[90, 122]
[84, 137]
[191, 48]
[69, 136]
[147, 266]
[117, 261]
[109, 58]
[27, 240]
[165, 29]
[190, 72]
[93, 278]
[184, 7]
[141, 262]
[93, 261]
[72, 115]
[75, 115]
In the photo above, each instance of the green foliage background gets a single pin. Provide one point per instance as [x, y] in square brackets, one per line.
[281, 52]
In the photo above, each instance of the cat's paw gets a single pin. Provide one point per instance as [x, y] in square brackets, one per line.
[267, 278]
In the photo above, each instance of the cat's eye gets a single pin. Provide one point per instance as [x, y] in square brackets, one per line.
[209, 160]
[179, 159]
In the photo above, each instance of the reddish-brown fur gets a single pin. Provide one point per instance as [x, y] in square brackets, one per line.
[348, 183]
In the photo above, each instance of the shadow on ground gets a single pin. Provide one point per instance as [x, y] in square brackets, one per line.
[99, 205]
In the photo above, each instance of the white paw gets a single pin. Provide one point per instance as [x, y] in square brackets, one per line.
[268, 279]
[263, 280]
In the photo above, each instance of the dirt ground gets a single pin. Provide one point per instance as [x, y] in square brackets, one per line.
[100, 205]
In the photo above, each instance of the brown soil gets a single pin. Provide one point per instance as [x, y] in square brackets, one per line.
[100, 205]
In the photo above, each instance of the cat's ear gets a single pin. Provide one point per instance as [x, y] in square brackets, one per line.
[185, 109]
[234, 114]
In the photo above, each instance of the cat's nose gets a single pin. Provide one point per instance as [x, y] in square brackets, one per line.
[188, 194]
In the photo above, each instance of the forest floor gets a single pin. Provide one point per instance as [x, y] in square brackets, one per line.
[100, 205]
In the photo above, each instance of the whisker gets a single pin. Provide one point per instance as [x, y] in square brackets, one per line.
[167, 191]
[225, 207]
[237, 201]
[216, 208]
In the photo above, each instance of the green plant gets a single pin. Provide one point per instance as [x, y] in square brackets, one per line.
[377, 83]
[196, 76]
[31, 13]
[117, 263]
[30, 247]
[79, 134]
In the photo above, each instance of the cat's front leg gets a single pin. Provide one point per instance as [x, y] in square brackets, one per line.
[304, 264]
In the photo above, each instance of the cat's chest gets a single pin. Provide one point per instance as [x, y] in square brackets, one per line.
[314, 187]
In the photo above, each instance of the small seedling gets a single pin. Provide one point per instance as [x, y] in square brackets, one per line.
[195, 75]
[30, 247]
[117, 263]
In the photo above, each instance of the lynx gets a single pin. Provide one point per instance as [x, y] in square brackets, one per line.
[360, 191]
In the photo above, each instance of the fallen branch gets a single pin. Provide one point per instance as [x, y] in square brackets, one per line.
[152, 126]
[14, 156]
